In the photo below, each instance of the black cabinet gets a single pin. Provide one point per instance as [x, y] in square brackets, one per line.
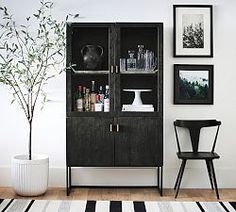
[121, 137]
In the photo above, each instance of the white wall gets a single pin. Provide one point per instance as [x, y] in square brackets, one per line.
[49, 126]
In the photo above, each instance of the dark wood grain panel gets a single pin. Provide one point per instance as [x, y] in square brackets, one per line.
[89, 142]
[139, 142]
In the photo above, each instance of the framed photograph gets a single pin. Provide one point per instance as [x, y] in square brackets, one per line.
[193, 84]
[193, 36]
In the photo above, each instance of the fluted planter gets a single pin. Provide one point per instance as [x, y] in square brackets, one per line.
[30, 177]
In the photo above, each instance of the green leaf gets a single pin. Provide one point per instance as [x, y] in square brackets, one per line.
[76, 15]
[35, 15]
[12, 101]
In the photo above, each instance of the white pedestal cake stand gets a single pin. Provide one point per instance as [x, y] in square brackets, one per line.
[137, 95]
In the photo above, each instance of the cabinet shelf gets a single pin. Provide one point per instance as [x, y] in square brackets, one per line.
[91, 71]
[90, 114]
[139, 71]
[138, 114]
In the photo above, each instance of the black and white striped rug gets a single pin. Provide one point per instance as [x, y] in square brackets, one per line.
[20, 205]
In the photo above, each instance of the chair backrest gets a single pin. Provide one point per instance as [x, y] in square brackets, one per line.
[194, 127]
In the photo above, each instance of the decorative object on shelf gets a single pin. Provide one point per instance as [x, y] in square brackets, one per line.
[92, 57]
[138, 108]
[193, 31]
[27, 61]
[122, 65]
[131, 61]
[193, 84]
[137, 104]
[149, 61]
[140, 57]
[145, 62]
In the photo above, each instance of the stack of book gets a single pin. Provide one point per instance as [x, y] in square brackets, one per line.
[138, 108]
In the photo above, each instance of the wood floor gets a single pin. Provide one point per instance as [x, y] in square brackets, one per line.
[148, 194]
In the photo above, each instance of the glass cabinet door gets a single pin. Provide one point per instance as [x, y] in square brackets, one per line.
[138, 56]
[90, 56]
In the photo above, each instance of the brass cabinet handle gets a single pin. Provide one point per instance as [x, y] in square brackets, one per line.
[111, 128]
[117, 69]
[117, 128]
[112, 69]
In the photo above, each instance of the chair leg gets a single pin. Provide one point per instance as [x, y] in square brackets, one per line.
[180, 177]
[209, 173]
[214, 178]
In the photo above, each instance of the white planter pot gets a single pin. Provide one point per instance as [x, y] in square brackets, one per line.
[30, 177]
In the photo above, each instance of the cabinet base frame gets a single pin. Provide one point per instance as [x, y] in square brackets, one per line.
[69, 185]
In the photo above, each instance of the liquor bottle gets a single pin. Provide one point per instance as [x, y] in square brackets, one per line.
[98, 104]
[93, 96]
[101, 94]
[140, 57]
[87, 100]
[131, 61]
[84, 92]
[107, 100]
[79, 99]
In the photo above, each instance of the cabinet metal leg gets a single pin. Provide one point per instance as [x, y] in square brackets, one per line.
[69, 177]
[67, 182]
[161, 183]
[160, 179]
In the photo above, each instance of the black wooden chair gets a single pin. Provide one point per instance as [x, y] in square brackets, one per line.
[194, 127]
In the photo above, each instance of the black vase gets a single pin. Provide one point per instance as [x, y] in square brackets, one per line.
[92, 57]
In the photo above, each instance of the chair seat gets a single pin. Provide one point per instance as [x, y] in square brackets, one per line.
[197, 155]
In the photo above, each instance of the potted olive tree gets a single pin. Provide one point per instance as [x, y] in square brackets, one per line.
[30, 54]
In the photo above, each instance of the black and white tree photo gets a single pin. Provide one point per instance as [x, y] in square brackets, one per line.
[193, 31]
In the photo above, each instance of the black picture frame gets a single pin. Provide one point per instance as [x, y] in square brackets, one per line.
[193, 84]
[189, 20]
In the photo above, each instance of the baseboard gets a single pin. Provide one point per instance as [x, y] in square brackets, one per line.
[193, 177]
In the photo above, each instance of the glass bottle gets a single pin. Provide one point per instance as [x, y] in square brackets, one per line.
[140, 57]
[84, 92]
[92, 97]
[131, 61]
[101, 94]
[147, 60]
[79, 99]
[87, 100]
[107, 100]
[98, 104]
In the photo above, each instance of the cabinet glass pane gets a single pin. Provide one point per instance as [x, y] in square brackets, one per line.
[94, 101]
[90, 48]
[138, 93]
[138, 45]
